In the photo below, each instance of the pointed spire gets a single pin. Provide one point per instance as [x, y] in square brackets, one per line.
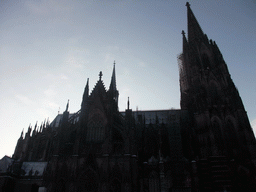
[29, 128]
[86, 90]
[112, 88]
[44, 123]
[86, 93]
[113, 79]
[66, 106]
[29, 131]
[185, 42]
[194, 29]
[21, 135]
[128, 104]
[34, 131]
[48, 122]
[35, 125]
[41, 127]
[100, 75]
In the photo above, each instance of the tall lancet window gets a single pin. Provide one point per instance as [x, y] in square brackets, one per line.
[117, 141]
[95, 129]
[218, 140]
[231, 137]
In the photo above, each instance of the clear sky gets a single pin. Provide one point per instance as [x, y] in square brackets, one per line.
[49, 48]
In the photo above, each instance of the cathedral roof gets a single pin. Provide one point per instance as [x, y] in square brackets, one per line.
[57, 120]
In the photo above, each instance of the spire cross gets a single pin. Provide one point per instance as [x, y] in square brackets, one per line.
[187, 4]
[100, 75]
[183, 33]
[114, 62]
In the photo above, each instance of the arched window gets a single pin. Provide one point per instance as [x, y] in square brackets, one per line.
[95, 129]
[41, 147]
[201, 98]
[117, 141]
[214, 93]
[231, 137]
[72, 137]
[165, 146]
[151, 147]
[218, 139]
[69, 144]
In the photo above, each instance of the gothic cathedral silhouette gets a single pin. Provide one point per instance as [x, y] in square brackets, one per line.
[207, 145]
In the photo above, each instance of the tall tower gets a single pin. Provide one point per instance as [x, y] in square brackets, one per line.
[220, 126]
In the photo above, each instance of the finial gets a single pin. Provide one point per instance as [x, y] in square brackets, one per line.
[100, 75]
[35, 125]
[182, 32]
[114, 62]
[21, 135]
[67, 105]
[48, 122]
[187, 4]
[41, 127]
[44, 123]
[128, 104]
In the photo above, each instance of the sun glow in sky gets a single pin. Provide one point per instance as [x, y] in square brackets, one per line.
[50, 47]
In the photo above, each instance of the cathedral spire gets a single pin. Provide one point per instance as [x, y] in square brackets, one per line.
[113, 79]
[112, 88]
[21, 135]
[128, 104]
[194, 29]
[86, 92]
[67, 105]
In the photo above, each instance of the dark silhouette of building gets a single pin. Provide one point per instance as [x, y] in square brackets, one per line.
[207, 145]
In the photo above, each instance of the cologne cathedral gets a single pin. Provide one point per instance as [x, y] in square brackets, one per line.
[207, 145]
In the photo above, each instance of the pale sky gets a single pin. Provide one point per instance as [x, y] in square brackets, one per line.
[49, 48]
